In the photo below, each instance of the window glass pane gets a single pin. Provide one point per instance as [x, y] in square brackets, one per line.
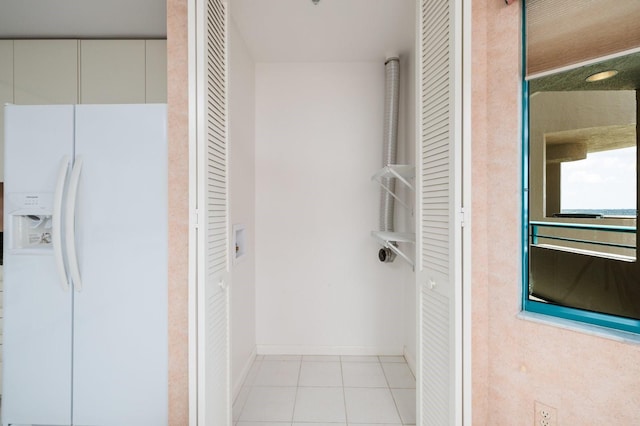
[604, 183]
[582, 189]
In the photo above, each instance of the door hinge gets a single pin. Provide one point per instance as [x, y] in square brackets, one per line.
[461, 217]
[196, 218]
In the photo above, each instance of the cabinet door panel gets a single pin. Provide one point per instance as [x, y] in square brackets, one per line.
[112, 71]
[46, 72]
[156, 71]
[6, 91]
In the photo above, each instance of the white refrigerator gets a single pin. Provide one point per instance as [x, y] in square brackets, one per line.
[85, 265]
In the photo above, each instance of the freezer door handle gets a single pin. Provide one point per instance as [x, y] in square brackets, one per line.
[70, 232]
[56, 231]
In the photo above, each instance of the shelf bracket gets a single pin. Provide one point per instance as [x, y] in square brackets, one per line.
[400, 178]
[386, 239]
[386, 188]
[397, 251]
[397, 171]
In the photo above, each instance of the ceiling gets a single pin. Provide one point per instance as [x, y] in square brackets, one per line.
[333, 30]
[83, 19]
[628, 77]
[605, 109]
[274, 30]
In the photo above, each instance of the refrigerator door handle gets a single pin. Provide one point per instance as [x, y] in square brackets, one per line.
[56, 225]
[70, 232]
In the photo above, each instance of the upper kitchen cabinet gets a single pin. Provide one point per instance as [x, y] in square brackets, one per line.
[46, 72]
[6, 71]
[36, 72]
[6, 90]
[112, 71]
[156, 71]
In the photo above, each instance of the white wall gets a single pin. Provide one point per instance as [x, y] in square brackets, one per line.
[319, 286]
[242, 205]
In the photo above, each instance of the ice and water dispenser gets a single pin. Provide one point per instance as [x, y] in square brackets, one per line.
[30, 222]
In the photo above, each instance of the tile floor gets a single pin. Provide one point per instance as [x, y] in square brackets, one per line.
[327, 391]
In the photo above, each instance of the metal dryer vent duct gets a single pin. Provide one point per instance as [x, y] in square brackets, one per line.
[390, 149]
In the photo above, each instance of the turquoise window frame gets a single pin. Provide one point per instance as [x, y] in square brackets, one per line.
[572, 314]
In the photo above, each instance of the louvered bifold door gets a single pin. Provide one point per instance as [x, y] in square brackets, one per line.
[439, 258]
[214, 406]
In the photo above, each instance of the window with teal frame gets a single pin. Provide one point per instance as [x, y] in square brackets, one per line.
[580, 192]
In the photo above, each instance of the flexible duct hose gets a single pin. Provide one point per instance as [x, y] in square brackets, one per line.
[391, 101]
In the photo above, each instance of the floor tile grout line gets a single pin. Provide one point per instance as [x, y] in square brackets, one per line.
[344, 394]
[295, 398]
[393, 398]
[410, 373]
[250, 386]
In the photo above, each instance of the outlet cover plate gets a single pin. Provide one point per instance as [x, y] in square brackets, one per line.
[545, 415]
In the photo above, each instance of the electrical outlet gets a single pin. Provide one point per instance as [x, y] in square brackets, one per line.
[545, 415]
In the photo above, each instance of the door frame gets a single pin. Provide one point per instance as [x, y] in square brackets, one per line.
[193, 85]
[467, 138]
[466, 272]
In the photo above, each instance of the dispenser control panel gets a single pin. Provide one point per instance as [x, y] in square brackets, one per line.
[31, 231]
[29, 217]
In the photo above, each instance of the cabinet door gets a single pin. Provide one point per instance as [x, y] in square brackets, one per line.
[112, 71]
[156, 71]
[46, 72]
[6, 91]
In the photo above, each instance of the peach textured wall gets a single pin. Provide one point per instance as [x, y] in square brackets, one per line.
[590, 380]
[178, 132]
[480, 210]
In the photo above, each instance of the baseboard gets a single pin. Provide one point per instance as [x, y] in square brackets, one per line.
[411, 361]
[243, 376]
[328, 350]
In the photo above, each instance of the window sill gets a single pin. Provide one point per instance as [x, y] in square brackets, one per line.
[592, 330]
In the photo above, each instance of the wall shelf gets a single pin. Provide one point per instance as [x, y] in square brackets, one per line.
[401, 171]
[396, 237]
[388, 240]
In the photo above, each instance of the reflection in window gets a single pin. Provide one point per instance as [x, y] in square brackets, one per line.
[602, 184]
